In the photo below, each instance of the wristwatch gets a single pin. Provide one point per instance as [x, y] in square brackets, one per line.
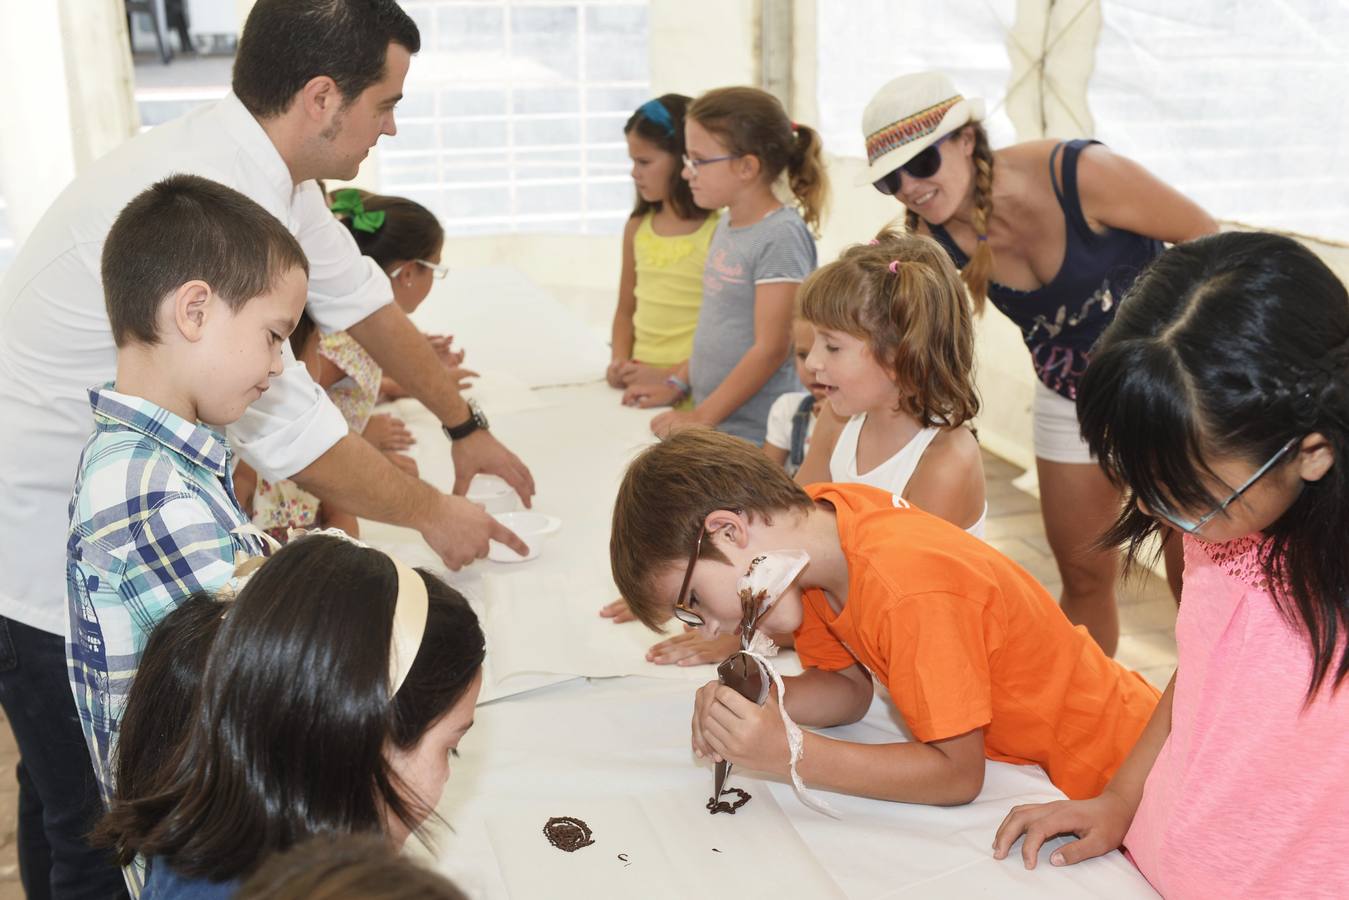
[475, 420]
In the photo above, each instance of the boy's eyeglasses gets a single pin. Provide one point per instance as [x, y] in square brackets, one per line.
[1189, 527]
[692, 164]
[924, 165]
[681, 610]
[437, 270]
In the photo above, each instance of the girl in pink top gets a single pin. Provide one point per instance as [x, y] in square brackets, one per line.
[1220, 398]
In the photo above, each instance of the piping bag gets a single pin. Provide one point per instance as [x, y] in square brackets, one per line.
[748, 671]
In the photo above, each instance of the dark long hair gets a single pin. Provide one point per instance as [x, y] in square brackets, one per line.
[295, 716]
[166, 690]
[678, 193]
[1233, 345]
[409, 231]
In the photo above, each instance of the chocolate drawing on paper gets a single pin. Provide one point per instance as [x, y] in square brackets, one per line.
[567, 833]
[716, 805]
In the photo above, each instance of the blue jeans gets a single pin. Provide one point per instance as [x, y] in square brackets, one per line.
[58, 796]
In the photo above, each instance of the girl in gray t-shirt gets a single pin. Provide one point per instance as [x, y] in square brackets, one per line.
[739, 140]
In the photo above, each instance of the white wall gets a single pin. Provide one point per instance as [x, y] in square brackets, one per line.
[65, 87]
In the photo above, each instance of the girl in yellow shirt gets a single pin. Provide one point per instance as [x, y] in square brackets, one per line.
[664, 247]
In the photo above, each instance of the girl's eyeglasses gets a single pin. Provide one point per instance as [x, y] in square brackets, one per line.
[692, 164]
[437, 270]
[924, 165]
[1189, 527]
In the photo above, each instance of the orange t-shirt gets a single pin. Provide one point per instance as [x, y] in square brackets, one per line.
[964, 638]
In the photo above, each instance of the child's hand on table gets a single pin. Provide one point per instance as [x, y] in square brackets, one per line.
[618, 372]
[726, 726]
[461, 377]
[692, 648]
[619, 611]
[1099, 823]
[647, 396]
[388, 432]
[404, 462]
[668, 422]
[442, 344]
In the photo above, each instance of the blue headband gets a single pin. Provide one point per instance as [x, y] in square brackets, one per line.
[656, 112]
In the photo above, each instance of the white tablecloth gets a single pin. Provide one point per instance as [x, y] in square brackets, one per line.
[612, 748]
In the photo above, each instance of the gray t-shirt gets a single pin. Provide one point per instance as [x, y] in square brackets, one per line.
[777, 248]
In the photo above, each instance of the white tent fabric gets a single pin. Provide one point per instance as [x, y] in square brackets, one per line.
[1244, 106]
[1240, 105]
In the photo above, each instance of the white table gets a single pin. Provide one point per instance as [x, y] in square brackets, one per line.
[612, 747]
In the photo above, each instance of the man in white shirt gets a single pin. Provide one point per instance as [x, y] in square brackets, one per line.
[283, 127]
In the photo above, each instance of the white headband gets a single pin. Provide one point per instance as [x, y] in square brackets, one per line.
[409, 624]
[409, 609]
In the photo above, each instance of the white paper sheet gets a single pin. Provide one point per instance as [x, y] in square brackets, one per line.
[671, 847]
[507, 323]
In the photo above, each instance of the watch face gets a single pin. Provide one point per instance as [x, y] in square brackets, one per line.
[478, 415]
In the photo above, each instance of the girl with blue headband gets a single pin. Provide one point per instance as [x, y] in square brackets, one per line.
[664, 247]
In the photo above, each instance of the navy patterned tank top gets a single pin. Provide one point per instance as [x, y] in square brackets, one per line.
[1062, 320]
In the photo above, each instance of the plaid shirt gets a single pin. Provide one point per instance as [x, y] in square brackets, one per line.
[153, 519]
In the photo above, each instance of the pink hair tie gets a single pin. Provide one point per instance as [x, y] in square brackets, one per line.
[873, 242]
[894, 267]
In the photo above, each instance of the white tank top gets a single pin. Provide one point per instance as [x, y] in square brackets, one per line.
[892, 475]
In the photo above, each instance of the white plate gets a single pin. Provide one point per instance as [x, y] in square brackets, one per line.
[532, 527]
[493, 494]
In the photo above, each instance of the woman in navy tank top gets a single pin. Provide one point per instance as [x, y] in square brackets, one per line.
[1053, 234]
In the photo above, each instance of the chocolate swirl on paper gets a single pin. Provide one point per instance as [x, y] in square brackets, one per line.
[716, 805]
[567, 833]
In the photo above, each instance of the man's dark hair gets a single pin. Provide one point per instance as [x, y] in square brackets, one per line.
[188, 228]
[286, 43]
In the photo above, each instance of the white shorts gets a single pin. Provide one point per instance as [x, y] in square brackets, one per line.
[1057, 435]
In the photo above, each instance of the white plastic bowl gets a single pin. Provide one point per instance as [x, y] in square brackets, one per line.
[532, 527]
[493, 494]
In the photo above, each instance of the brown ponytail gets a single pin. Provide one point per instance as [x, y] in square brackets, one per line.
[806, 176]
[979, 269]
[751, 122]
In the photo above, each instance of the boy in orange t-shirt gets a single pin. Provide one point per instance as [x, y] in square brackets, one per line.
[976, 655]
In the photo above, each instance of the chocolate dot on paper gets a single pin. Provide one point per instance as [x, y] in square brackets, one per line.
[567, 833]
[716, 805]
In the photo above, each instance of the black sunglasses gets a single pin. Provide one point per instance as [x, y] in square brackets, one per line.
[924, 165]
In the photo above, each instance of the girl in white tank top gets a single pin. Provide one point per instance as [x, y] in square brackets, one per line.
[894, 349]
[892, 475]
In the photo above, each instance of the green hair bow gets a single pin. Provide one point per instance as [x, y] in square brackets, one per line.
[349, 202]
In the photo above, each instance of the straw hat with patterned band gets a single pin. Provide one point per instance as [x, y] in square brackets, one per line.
[910, 114]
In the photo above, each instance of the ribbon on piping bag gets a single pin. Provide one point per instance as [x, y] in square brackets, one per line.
[768, 578]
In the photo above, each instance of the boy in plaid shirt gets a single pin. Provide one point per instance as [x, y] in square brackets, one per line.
[202, 286]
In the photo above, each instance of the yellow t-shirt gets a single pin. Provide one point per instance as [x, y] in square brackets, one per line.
[669, 291]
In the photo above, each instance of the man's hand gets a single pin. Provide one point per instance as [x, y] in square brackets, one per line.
[459, 531]
[482, 452]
